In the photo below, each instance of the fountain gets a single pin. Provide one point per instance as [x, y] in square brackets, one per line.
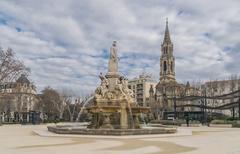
[114, 111]
[83, 108]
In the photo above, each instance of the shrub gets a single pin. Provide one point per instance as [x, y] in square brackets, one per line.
[237, 124]
[169, 122]
[51, 121]
[194, 122]
[225, 122]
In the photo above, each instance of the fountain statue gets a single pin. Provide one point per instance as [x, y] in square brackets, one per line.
[114, 105]
[113, 108]
[113, 60]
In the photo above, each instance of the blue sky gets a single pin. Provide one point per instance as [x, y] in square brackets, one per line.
[66, 43]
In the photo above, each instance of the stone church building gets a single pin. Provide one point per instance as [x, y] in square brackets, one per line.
[161, 104]
[167, 87]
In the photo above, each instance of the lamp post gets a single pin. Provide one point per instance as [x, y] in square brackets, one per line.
[239, 108]
[205, 104]
[175, 107]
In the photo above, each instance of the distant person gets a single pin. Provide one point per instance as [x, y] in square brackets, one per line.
[187, 121]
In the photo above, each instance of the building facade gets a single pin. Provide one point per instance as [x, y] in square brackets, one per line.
[18, 101]
[221, 87]
[141, 87]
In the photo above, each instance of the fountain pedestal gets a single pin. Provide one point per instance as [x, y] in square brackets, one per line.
[112, 78]
[106, 121]
[123, 115]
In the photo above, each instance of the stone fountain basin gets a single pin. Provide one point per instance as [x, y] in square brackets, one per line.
[113, 132]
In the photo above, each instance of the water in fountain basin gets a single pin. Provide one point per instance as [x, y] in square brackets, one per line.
[83, 107]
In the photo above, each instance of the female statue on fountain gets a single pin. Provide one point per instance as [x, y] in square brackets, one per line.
[113, 61]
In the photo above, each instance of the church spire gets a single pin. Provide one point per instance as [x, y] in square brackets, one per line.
[167, 60]
[167, 38]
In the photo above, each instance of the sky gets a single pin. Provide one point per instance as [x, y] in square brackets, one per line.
[66, 43]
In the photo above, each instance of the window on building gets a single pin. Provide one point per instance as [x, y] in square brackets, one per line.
[165, 66]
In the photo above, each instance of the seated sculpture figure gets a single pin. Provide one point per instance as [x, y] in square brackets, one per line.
[103, 88]
[122, 87]
[126, 90]
[119, 86]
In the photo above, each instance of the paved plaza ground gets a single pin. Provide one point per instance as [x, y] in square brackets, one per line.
[18, 139]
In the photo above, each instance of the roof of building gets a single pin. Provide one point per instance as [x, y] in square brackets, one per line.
[222, 81]
[143, 77]
[23, 79]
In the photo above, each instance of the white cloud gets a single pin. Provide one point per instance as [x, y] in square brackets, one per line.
[65, 42]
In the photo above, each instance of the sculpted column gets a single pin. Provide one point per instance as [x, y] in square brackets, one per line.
[112, 74]
[124, 115]
[113, 59]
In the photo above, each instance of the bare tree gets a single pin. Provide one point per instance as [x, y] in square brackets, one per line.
[233, 87]
[238, 82]
[10, 67]
[73, 106]
[52, 103]
[6, 105]
[233, 83]
[70, 101]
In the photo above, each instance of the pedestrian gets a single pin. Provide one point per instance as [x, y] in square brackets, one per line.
[187, 121]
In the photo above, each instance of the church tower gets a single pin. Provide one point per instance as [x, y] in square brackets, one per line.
[167, 59]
